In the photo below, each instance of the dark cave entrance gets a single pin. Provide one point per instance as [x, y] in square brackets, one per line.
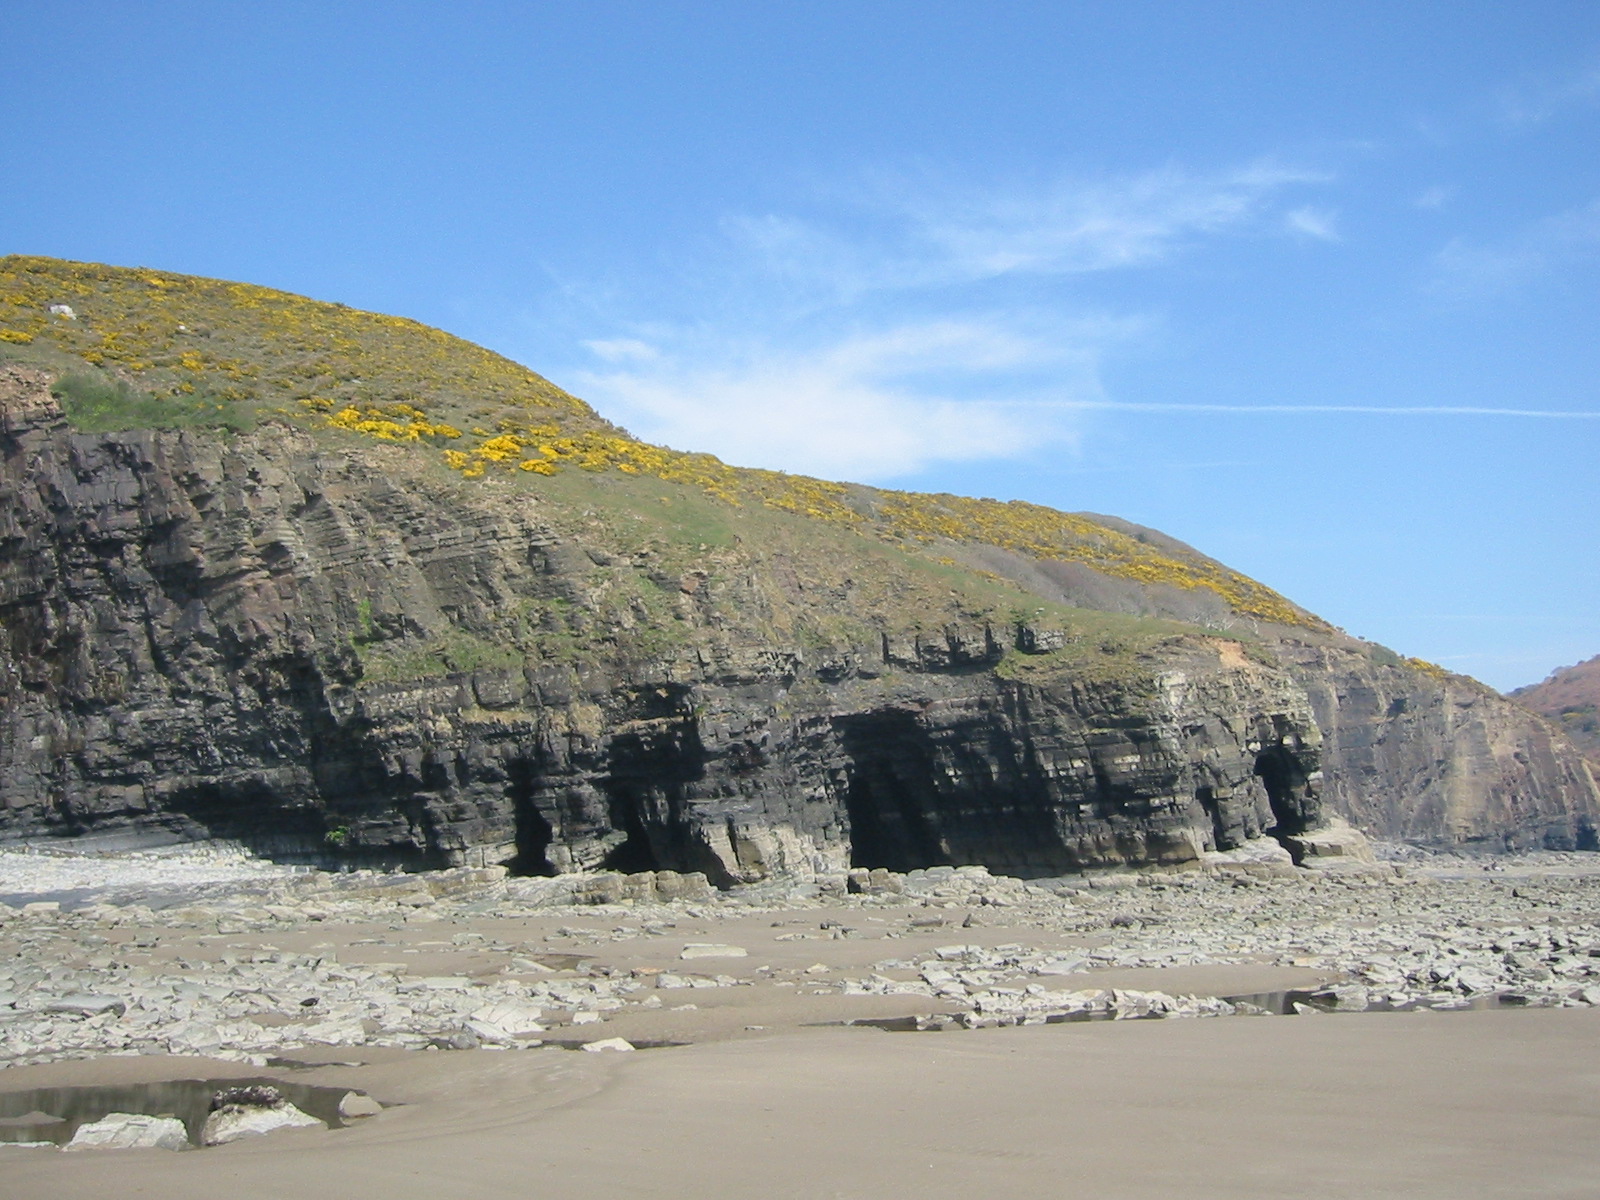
[1293, 810]
[635, 853]
[257, 817]
[1586, 837]
[647, 789]
[532, 829]
[1213, 809]
[890, 794]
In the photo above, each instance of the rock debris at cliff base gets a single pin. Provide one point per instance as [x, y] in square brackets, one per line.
[282, 963]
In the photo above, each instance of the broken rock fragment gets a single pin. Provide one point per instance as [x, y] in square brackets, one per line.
[130, 1131]
[241, 1112]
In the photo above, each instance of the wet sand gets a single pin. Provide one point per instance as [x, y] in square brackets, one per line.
[1502, 1104]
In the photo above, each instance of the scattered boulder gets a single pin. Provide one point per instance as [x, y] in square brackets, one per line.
[691, 885]
[1336, 840]
[1344, 997]
[252, 1111]
[357, 1105]
[501, 1024]
[130, 1131]
[877, 881]
[605, 1044]
[86, 1006]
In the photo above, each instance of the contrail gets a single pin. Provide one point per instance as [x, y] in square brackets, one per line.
[1419, 410]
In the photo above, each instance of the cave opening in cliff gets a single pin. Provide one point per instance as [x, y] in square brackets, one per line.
[1293, 809]
[254, 815]
[635, 852]
[1587, 836]
[532, 830]
[651, 774]
[1212, 807]
[889, 794]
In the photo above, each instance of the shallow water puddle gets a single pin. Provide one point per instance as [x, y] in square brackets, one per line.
[53, 1114]
[1278, 1004]
[641, 1044]
[1282, 1004]
[943, 1022]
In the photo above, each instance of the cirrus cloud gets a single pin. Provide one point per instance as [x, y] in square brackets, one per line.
[867, 342]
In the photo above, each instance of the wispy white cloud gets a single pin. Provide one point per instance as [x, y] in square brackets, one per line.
[1069, 228]
[1319, 223]
[846, 344]
[871, 407]
[1435, 197]
[878, 406]
[931, 234]
[1467, 271]
[622, 349]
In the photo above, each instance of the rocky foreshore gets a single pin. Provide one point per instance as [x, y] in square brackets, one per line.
[268, 962]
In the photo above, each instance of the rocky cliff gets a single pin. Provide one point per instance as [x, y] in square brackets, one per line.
[1419, 754]
[364, 634]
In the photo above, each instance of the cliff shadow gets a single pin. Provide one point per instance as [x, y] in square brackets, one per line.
[253, 814]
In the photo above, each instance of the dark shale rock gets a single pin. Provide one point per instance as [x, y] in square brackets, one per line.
[189, 626]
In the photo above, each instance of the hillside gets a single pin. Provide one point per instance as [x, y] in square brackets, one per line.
[351, 589]
[149, 349]
[1570, 697]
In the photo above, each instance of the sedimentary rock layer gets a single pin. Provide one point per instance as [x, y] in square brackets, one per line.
[306, 648]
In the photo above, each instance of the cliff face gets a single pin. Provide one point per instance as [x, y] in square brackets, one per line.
[201, 639]
[1425, 756]
[370, 594]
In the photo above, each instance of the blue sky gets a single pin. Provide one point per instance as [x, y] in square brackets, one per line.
[1312, 287]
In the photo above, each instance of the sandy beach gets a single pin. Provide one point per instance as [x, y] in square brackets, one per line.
[749, 1082]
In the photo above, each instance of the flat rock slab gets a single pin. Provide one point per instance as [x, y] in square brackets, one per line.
[712, 950]
[85, 1006]
[355, 1105]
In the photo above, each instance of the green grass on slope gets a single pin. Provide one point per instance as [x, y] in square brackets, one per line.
[98, 402]
[202, 351]
[669, 572]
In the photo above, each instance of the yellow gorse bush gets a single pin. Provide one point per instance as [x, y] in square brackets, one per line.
[379, 423]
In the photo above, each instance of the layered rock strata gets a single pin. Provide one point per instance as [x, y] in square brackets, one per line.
[229, 637]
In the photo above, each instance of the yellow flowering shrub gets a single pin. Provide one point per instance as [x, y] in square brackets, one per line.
[1426, 667]
[380, 423]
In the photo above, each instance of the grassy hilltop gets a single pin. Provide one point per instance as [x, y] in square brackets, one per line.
[138, 348]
